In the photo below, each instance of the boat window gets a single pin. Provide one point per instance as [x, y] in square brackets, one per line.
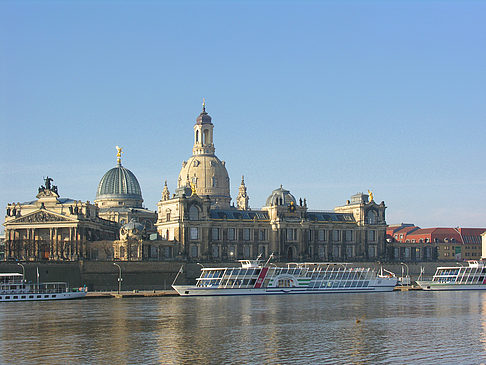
[23, 297]
[16, 297]
[39, 296]
[31, 296]
[252, 282]
[46, 296]
[54, 295]
[7, 297]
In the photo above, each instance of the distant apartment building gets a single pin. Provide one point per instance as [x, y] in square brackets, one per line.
[407, 242]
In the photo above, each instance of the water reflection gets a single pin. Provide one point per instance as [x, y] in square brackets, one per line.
[416, 327]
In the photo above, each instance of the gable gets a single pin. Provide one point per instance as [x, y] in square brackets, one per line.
[40, 216]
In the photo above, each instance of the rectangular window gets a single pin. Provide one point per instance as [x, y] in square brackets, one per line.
[336, 251]
[194, 233]
[321, 252]
[215, 251]
[349, 235]
[407, 252]
[372, 236]
[371, 251]
[291, 234]
[231, 234]
[262, 235]
[246, 252]
[336, 235]
[215, 234]
[321, 235]
[167, 252]
[246, 234]
[349, 251]
[193, 251]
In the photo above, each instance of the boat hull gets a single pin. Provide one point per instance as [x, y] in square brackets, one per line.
[25, 297]
[430, 285]
[191, 290]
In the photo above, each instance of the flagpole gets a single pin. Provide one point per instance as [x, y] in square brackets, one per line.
[180, 270]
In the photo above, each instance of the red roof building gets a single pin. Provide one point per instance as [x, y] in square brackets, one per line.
[408, 242]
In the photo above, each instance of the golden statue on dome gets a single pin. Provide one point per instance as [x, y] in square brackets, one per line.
[118, 154]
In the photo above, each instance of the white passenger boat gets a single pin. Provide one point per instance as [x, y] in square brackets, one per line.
[13, 288]
[255, 278]
[471, 277]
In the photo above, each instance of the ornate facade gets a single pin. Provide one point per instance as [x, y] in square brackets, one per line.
[200, 222]
[53, 228]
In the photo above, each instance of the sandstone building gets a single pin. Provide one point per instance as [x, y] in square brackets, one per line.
[200, 221]
[197, 222]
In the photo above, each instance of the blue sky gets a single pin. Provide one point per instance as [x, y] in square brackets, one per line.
[328, 98]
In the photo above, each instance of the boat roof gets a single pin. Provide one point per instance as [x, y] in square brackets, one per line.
[10, 274]
[471, 263]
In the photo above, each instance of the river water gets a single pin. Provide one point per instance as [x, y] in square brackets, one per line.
[381, 328]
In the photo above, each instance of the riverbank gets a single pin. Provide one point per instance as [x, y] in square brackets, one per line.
[102, 276]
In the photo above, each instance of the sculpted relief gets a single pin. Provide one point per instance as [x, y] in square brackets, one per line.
[40, 217]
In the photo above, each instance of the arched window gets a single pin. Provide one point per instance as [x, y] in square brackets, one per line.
[193, 213]
[371, 217]
[197, 136]
[205, 137]
[167, 215]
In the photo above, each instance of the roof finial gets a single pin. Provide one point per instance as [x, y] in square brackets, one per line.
[118, 154]
[204, 105]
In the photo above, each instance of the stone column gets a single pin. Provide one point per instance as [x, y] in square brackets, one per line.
[69, 253]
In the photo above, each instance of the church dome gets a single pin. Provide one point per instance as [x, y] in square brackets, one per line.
[280, 196]
[209, 176]
[120, 186]
[203, 171]
[132, 230]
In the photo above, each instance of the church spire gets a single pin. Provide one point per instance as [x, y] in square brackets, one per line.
[242, 198]
[165, 192]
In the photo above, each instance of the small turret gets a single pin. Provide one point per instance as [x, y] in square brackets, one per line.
[242, 198]
[165, 192]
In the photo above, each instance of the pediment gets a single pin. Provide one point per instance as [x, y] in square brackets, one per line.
[41, 216]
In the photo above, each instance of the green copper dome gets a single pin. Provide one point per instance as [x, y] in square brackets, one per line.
[119, 183]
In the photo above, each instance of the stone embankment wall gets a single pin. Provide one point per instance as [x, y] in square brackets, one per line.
[103, 275]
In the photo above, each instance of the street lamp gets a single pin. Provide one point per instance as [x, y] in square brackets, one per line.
[23, 271]
[119, 276]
